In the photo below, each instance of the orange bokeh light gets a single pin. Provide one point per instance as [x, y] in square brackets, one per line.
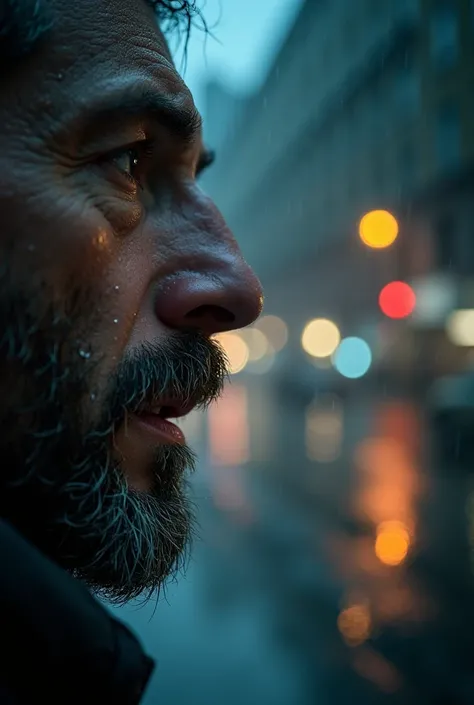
[392, 543]
[354, 624]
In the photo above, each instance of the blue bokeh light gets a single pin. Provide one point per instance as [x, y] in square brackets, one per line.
[353, 358]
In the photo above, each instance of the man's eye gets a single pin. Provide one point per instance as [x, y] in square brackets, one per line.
[130, 162]
[127, 161]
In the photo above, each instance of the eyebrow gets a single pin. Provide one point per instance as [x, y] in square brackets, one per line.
[177, 115]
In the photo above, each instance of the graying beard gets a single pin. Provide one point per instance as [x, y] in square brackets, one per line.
[155, 533]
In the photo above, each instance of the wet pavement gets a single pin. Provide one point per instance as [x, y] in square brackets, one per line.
[343, 578]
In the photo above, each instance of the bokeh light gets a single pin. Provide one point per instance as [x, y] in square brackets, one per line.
[353, 358]
[378, 229]
[460, 327]
[262, 366]
[392, 542]
[397, 300]
[236, 349]
[228, 429]
[370, 664]
[354, 623]
[257, 343]
[275, 331]
[324, 432]
[320, 337]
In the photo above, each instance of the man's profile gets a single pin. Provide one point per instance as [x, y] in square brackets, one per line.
[115, 272]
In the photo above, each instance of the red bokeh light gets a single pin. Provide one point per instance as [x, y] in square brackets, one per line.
[397, 300]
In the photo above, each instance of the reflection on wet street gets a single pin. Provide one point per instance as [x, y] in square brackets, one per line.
[338, 575]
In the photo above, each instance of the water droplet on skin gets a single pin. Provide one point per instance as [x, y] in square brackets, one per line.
[85, 354]
[115, 320]
[116, 287]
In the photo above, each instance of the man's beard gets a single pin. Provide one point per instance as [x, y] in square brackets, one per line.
[60, 484]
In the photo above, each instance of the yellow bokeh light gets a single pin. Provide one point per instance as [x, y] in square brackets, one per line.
[320, 338]
[236, 349]
[392, 543]
[275, 330]
[460, 327]
[257, 343]
[378, 229]
[354, 623]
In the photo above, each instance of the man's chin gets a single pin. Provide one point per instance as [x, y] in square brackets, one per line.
[142, 542]
[122, 542]
[140, 532]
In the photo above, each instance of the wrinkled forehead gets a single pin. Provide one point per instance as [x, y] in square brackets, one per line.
[110, 27]
[89, 42]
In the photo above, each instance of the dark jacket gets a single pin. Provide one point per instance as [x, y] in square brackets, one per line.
[58, 644]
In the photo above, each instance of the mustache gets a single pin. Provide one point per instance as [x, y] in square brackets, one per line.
[188, 366]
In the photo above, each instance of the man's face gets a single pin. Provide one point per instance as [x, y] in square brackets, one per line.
[115, 272]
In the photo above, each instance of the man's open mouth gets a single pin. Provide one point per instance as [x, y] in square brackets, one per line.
[155, 419]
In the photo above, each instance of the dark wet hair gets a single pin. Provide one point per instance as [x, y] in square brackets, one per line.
[23, 23]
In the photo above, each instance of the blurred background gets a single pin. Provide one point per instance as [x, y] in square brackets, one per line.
[335, 492]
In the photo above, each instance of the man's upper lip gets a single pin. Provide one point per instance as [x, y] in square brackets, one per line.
[167, 408]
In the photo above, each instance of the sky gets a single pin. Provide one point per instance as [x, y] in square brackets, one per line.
[247, 35]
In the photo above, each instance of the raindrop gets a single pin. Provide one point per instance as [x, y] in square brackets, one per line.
[93, 396]
[115, 320]
[84, 354]
[60, 76]
[116, 287]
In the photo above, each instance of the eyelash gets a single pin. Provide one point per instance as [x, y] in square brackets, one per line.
[145, 149]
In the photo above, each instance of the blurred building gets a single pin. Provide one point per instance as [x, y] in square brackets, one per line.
[368, 105]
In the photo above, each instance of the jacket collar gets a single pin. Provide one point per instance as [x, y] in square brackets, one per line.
[60, 645]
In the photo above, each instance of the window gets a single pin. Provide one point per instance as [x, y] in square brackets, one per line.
[444, 36]
[448, 136]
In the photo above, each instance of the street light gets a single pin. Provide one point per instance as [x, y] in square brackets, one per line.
[460, 327]
[378, 229]
[320, 338]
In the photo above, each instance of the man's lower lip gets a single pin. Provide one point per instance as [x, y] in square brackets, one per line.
[164, 430]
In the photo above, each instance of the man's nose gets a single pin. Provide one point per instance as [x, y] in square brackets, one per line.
[217, 298]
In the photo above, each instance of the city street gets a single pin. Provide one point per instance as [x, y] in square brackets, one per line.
[295, 595]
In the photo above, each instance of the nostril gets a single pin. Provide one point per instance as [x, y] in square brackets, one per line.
[218, 314]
